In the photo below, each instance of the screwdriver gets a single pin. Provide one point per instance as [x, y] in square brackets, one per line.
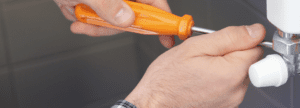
[149, 20]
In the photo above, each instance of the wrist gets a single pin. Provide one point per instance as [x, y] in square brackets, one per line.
[146, 98]
[137, 99]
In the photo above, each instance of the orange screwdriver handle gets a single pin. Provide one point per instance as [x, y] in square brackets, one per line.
[149, 20]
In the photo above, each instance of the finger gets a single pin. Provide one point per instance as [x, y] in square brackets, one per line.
[115, 12]
[245, 58]
[66, 10]
[161, 4]
[167, 41]
[227, 40]
[92, 30]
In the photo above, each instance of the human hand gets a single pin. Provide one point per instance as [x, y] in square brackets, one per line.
[207, 71]
[116, 12]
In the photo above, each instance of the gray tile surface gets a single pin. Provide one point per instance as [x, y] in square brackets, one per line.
[236, 13]
[2, 50]
[55, 68]
[107, 103]
[296, 93]
[258, 4]
[36, 29]
[279, 95]
[255, 99]
[75, 82]
[2, 1]
[199, 9]
[6, 97]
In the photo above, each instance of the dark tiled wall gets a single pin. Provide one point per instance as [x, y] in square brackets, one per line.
[44, 65]
[2, 51]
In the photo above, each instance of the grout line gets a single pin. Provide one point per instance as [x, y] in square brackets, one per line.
[8, 60]
[273, 101]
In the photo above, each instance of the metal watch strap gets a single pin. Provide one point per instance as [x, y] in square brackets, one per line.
[123, 104]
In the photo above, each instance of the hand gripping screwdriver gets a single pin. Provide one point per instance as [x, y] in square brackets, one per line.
[149, 20]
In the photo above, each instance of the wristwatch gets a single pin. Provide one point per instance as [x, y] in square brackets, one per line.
[123, 104]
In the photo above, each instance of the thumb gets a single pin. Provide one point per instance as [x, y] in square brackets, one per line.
[115, 12]
[229, 39]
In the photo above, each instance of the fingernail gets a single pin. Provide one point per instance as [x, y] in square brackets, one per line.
[253, 30]
[123, 15]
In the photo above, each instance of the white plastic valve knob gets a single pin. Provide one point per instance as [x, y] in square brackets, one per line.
[270, 71]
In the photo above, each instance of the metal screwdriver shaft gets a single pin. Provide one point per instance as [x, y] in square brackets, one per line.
[206, 31]
[202, 30]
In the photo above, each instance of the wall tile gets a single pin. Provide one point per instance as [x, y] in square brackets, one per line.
[258, 4]
[237, 13]
[296, 91]
[36, 29]
[196, 8]
[107, 103]
[255, 99]
[2, 1]
[63, 68]
[92, 74]
[6, 97]
[2, 50]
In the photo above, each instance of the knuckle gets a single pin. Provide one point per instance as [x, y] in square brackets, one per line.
[234, 34]
[244, 30]
[146, 1]
[230, 35]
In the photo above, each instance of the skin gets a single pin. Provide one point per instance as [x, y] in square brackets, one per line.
[108, 10]
[207, 71]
